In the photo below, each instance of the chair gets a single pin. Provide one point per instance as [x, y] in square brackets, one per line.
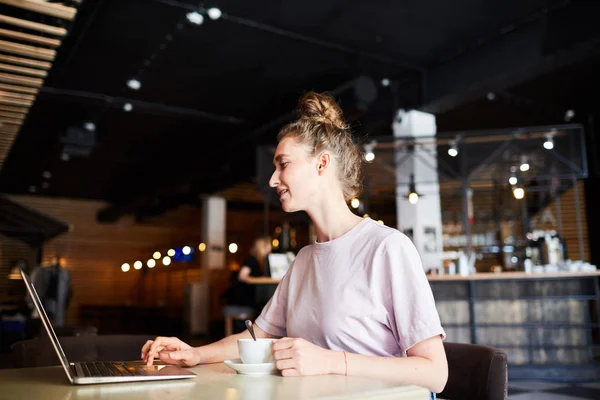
[475, 372]
[232, 313]
[39, 352]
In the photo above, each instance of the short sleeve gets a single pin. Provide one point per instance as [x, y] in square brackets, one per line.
[273, 317]
[411, 308]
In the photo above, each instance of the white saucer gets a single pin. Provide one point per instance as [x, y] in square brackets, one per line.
[251, 369]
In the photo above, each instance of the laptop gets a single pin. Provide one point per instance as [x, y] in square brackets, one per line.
[279, 264]
[83, 373]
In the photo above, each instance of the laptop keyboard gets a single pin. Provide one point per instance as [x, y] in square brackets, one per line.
[106, 369]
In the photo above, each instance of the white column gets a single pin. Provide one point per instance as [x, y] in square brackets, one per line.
[422, 221]
[214, 233]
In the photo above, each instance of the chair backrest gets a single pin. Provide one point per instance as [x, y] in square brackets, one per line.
[39, 352]
[475, 372]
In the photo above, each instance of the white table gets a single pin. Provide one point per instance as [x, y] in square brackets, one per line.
[214, 382]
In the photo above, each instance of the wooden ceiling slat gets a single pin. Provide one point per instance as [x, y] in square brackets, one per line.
[24, 110]
[16, 102]
[26, 61]
[19, 96]
[12, 115]
[18, 89]
[11, 121]
[34, 26]
[54, 10]
[29, 38]
[22, 80]
[9, 131]
[23, 70]
[25, 50]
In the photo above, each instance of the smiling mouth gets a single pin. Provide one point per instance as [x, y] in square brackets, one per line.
[284, 191]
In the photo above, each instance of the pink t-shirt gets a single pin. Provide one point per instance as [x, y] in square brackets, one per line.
[364, 292]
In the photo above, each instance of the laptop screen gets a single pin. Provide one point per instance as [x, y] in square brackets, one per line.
[46, 321]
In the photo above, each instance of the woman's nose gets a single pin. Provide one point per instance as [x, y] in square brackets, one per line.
[274, 181]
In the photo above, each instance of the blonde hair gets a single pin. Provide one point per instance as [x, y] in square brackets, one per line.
[321, 126]
[258, 244]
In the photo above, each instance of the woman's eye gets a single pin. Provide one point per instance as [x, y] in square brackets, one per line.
[283, 165]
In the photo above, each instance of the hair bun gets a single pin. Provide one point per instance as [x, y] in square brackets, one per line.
[321, 108]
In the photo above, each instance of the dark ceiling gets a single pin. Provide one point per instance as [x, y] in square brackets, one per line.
[211, 93]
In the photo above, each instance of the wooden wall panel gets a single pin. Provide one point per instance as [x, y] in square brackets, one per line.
[94, 252]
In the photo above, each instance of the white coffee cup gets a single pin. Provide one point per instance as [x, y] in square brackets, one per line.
[257, 351]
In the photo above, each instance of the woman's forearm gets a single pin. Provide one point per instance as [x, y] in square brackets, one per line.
[224, 349]
[407, 370]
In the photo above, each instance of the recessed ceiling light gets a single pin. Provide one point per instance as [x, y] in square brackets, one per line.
[195, 18]
[134, 84]
[214, 13]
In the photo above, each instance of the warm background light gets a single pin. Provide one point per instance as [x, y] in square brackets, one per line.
[413, 198]
[233, 248]
[166, 260]
[202, 246]
[137, 265]
[156, 255]
[186, 250]
[151, 263]
[125, 267]
[171, 252]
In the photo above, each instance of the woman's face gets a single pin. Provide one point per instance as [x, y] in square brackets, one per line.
[295, 176]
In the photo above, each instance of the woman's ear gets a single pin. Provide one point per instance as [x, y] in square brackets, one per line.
[324, 161]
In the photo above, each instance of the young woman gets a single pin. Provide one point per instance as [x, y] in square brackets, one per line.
[240, 296]
[357, 301]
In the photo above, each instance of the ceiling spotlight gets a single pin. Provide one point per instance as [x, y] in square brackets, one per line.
[151, 263]
[156, 255]
[127, 107]
[413, 196]
[166, 260]
[214, 13]
[134, 84]
[355, 202]
[513, 180]
[524, 164]
[491, 96]
[171, 252]
[453, 149]
[569, 115]
[233, 248]
[186, 250]
[385, 82]
[369, 155]
[549, 143]
[202, 246]
[90, 126]
[519, 193]
[137, 265]
[125, 267]
[195, 18]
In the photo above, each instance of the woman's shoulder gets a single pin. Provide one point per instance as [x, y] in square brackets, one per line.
[382, 236]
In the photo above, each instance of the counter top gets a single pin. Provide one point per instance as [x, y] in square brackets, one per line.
[478, 276]
[512, 275]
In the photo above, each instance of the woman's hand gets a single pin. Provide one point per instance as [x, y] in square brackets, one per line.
[170, 350]
[298, 357]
